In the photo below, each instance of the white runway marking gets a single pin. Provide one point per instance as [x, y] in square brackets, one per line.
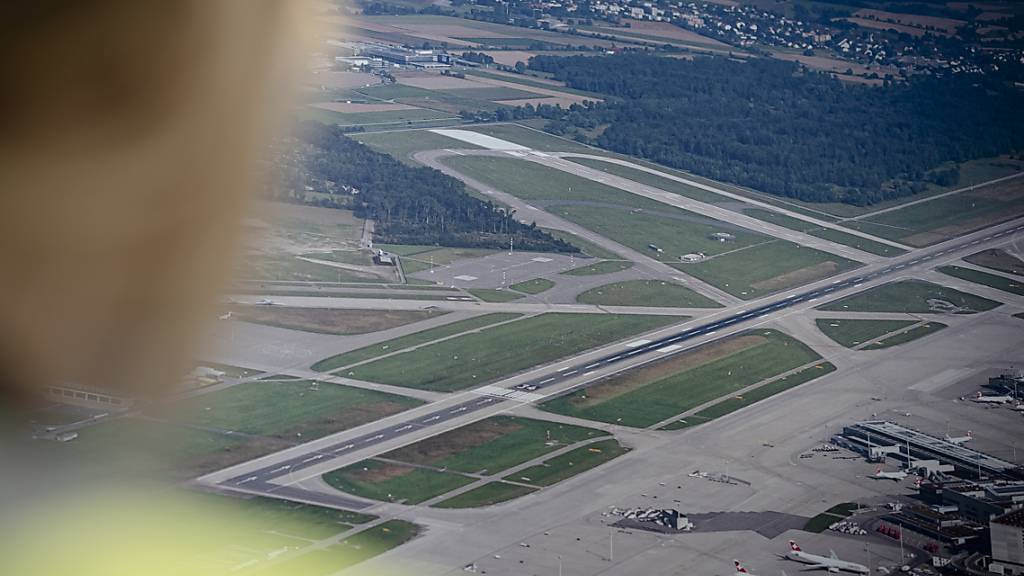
[479, 139]
[669, 348]
[637, 343]
[465, 278]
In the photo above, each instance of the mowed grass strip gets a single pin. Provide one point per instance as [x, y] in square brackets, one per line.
[1011, 285]
[573, 462]
[837, 236]
[535, 286]
[495, 294]
[291, 409]
[391, 482]
[658, 391]
[602, 267]
[474, 359]
[349, 552]
[907, 336]
[912, 297]
[492, 445]
[416, 339]
[646, 293]
[730, 405]
[766, 268]
[486, 495]
[850, 332]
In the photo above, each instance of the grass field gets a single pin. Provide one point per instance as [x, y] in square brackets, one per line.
[851, 333]
[837, 236]
[478, 358]
[291, 410]
[353, 550]
[660, 390]
[416, 339]
[492, 445]
[734, 403]
[646, 293]
[403, 144]
[766, 268]
[495, 295]
[367, 118]
[654, 180]
[588, 248]
[390, 482]
[288, 267]
[293, 519]
[573, 462]
[602, 267]
[494, 93]
[837, 513]
[996, 281]
[535, 286]
[486, 495]
[907, 336]
[910, 296]
[997, 259]
[330, 320]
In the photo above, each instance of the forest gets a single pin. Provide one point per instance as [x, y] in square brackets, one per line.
[408, 205]
[778, 127]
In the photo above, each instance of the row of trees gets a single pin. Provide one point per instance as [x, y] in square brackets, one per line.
[778, 127]
[412, 205]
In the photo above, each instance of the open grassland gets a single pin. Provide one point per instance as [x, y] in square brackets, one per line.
[765, 268]
[837, 236]
[1011, 285]
[660, 390]
[492, 445]
[569, 464]
[475, 359]
[290, 268]
[403, 144]
[370, 118]
[349, 552]
[291, 410]
[602, 267]
[293, 519]
[330, 320]
[904, 336]
[734, 403]
[654, 180]
[393, 482]
[535, 286]
[486, 495]
[411, 340]
[998, 259]
[495, 294]
[852, 333]
[646, 293]
[912, 297]
[588, 248]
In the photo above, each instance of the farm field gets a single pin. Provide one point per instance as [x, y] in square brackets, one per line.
[996, 281]
[602, 267]
[998, 259]
[535, 286]
[573, 462]
[852, 333]
[734, 403]
[411, 340]
[472, 360]
[660, 390]
[766, 268]
[330, 320]
[646, 293]
[486, 495]
[911, 296]
[905, 336]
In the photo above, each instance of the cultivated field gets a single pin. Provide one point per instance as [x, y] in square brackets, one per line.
[646, 293]
[330, 320]
[912, 297]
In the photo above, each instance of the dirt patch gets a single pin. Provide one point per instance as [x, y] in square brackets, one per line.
[998, 259]
[381, 472]
[798, 277]
[453, 442]
[634, 379]
[330, 320]
[357, 107]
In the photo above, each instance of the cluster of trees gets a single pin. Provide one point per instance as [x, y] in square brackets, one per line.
[478, 57]
[411, 205]
[778, 127]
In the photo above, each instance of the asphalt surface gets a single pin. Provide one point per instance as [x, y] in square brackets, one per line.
[261, 480]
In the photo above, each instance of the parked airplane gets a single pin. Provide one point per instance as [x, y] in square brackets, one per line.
[265, 302]
[958, 440]
[741, 570]
[831, 563]
[896, 475]
[981, 398]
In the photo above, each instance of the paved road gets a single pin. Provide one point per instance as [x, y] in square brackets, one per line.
[261, 480]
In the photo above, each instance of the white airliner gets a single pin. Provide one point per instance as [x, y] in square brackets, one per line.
[981, 398]
[958, 440]
[831, 563]
[897, 475]
[265, 302]
[741, 570]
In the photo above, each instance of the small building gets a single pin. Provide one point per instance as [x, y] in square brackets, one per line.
[1007, 536]
[384, 258]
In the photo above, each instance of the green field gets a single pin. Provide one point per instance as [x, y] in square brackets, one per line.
[996, 281]
[495, 294]
[475, 359]
[573, 462]
[291, 410]
[997, 259]
[759, 270]
[535, 286]
[646, 293]
[832, 234]
[602, 267]
[292, 519]
[910, 296]
[588, 248]
[367, 118]
[734, 403]
[331, 320]
[402, 145]
[361, 354]
[655, 180]
[354, 549]
[486, 495]
[391, 482]
[290, 268]
[851, 333]
[492, 445]
[907, 336]
[660, 390]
